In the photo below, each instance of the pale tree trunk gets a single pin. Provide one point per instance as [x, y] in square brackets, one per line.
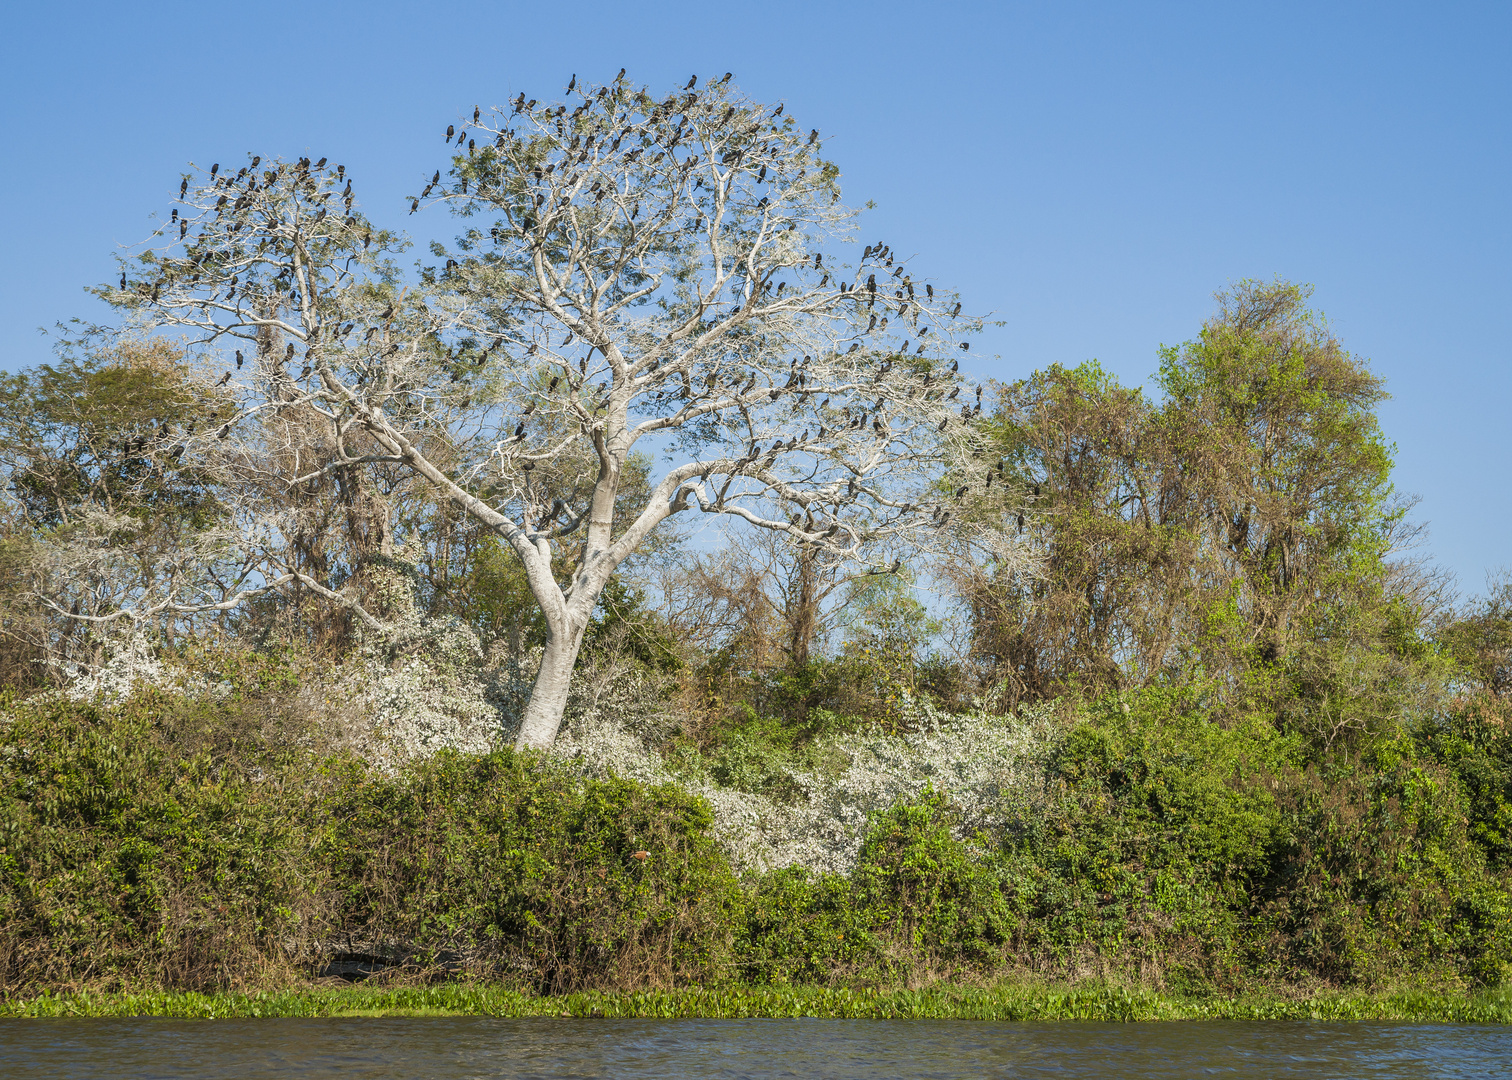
[548, 698]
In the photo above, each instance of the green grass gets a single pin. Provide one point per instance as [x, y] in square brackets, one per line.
[1008, 1002]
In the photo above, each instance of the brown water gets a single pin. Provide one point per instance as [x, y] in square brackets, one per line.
[447, 1048]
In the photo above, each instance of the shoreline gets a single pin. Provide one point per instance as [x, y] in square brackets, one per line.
[1004, 1003]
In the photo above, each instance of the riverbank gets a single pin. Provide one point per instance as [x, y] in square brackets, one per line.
[1104, 1002]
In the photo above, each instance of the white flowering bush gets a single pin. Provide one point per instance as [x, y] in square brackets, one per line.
[989, 767]
[129, 662]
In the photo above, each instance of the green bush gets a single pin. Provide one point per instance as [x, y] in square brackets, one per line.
[920, 905]
[504, 865]
[124, 862]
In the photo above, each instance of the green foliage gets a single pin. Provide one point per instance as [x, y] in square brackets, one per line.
[505, 865]
[1104, 1001]
[126, 862]
[175, 843]
[920, 906]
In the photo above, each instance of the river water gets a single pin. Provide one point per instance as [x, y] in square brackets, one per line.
[458, 1047]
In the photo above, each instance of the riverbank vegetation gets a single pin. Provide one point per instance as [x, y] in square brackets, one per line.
[1153, 710]
[1116, 1003]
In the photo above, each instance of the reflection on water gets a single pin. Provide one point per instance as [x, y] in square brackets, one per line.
[667, 1049]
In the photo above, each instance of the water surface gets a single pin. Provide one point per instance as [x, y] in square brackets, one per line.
[466, 1047]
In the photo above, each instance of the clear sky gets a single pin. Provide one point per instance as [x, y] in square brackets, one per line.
[1090, 172]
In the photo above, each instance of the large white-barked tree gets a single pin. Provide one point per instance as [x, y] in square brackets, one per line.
[640, 275]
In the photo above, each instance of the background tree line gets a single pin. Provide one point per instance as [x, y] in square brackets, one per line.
[1238, 531]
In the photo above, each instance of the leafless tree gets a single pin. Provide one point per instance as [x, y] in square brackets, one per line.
[641, 275]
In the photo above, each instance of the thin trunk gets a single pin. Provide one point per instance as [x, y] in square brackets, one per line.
[803, 616]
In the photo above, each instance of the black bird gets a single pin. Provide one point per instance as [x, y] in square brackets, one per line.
[224, 379]
[955, 365]
[520, 431]
[727, 78]
[238, 359]
[320, 164]
[943, 423]
[289, 353]
[436, 179]
[477, 112]
[955, 311]
[570, 85]
[1021, 523]
[960, 491]
[929, 291]
[896, 566]
[305, 372]
[691, 83]
[812, 136]
[388, 312]
[853, 348]
[215, 168]
[617, 78]
[177, 452]
[183, 187]
[871, 284]
[965, 346]
[224, 431]
[450, 131]
[123, 280]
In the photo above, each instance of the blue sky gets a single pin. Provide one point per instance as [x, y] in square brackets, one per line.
[1090, 172]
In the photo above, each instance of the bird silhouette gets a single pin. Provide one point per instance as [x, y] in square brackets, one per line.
[450, 131]
[224, 379]
[955, 311]
[691, 83]
[238, 359]
[289, 353]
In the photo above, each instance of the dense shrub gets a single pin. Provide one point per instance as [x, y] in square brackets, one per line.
[502, 864]
[219, 840]
[920, 905]
[149, 845]
[127, 860]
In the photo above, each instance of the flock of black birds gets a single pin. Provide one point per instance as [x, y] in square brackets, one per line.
[901, 300]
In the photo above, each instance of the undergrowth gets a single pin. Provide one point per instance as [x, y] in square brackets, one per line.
[170, 844]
